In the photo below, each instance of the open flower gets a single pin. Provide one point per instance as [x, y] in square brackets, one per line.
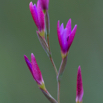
[44, 4]
[79, 90]
[38, 17]
[35, 71]
[65, 36]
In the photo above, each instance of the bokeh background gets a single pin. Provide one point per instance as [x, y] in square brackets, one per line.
[18, 37]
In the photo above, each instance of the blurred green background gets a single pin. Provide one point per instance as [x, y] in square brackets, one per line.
[18, 37]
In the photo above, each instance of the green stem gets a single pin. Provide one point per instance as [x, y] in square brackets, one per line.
[53, 64]
[47, 26]
[49, 97]
[48, 41]
[62, 67]
[47, 23]
[58, 95]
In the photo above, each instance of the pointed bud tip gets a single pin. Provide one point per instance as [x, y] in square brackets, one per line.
[25, 57]
[70, 20]
[58, 23]
[58, 20]
[32, 55]
[75, 27]
[30, 4]
[33, 58]
[74, 30]
[79, 68]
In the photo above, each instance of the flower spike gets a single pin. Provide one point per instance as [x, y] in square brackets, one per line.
[79, 90]
[65, 37]
[38, 17]
[35, 71]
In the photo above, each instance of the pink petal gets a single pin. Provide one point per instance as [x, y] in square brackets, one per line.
[34, 14]
[61, 28]
[64, 42]
[40, 16]
[28, 63]
[71, 36]
[36, 71]
[62, 36]
[59, 33]
[68, 26]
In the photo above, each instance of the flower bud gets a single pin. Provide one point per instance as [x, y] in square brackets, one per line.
[35, 71]
[38, 17]
[79, 90]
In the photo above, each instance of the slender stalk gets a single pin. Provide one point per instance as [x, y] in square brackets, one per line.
[49, 97]
[47, 22]
[53, 65]
[48, 41]
[47, 26]
[58, 95]
[61, 70]
[62, 67]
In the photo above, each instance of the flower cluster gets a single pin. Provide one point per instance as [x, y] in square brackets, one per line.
[65, 35]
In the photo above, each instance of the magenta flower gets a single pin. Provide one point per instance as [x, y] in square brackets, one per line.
[65, 37]
[34, 69]
[79, 90]
[38, 16]
[44, 4]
